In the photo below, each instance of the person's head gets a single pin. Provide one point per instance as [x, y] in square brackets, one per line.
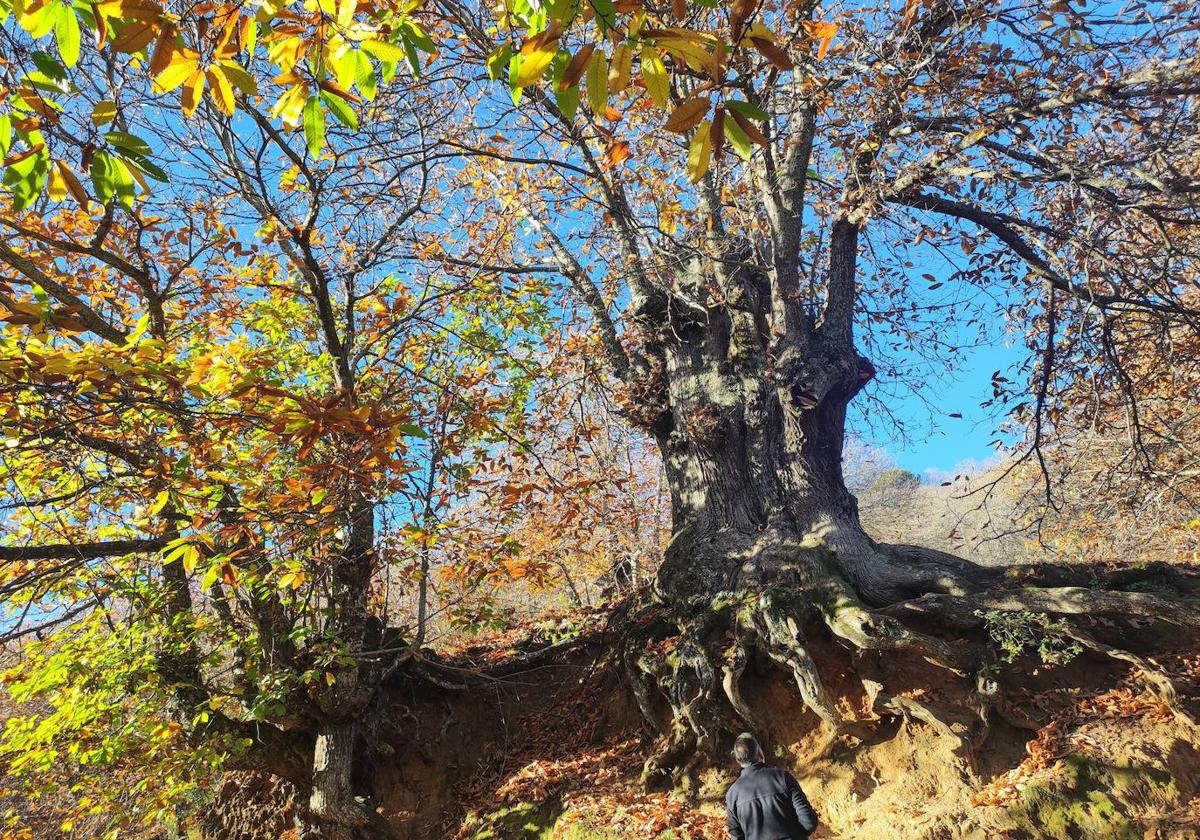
[746, 750]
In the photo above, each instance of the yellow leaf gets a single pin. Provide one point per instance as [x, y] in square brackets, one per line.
[597, 82]
[345, 12]
[654, 74]
[183, 65]
[193, 89]
[219, 89]
[57, 187]
[287, 52]
[700, 151]
[535, 61]
[290, 106]
[190, 556]
[693, 56]
[618, 74]
[104, 112]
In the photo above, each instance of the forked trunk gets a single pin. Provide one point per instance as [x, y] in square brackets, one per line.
[751, 433]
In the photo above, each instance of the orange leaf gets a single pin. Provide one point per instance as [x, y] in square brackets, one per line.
[617, 153]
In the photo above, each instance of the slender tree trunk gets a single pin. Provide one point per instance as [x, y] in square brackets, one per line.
[332, 801]
[345, 701]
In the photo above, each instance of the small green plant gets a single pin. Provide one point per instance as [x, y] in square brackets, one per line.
[1024, 631]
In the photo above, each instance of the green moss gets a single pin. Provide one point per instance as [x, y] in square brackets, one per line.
[523, 821]
[1088, 799]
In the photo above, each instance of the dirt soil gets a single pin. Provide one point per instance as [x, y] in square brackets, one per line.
[1087, 751]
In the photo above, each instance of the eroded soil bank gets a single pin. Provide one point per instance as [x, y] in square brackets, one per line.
[1082, 750]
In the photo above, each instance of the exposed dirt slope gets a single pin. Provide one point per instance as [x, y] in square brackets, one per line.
[1086, 750]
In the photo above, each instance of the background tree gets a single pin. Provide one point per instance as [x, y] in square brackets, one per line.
[228, 402]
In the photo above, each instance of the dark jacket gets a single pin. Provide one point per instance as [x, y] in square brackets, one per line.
[766, 803]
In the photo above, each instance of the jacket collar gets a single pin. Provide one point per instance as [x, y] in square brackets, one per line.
[755, 766]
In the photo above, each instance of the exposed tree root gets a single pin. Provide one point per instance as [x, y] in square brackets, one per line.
[787, 590]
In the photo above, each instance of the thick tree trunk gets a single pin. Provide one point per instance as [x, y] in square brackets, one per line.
[751, 433]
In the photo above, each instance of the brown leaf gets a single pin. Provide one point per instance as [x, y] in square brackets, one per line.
[750, 128]
[576, 66]
[688, 115]
[718, 132]
[772, 53]
[742, 9]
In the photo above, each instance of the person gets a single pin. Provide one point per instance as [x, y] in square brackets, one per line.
[765, 803]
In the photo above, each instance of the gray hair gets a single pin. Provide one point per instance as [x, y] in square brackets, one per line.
[746, 749]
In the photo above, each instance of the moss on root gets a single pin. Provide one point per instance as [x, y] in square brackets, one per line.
[1090, 799]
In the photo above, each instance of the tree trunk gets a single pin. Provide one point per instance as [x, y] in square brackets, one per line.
[751, 430]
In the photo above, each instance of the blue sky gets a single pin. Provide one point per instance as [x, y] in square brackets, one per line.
[936, 441]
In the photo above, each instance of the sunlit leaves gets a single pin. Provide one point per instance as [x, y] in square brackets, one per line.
[66, 32]
[597, 81]
[688, 115]
[700, 151]
[314, 125]
[342, 44]
[111, 178]
[654, 73]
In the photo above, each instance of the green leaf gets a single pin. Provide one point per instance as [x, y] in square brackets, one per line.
[498, 61]
[210, 577]
[413, 431]
[605, 14]
[314, 125]
[410, 54]
[568, 101]
[145, 165]
[49, 65]
[340, 109]
[66, 32]
[128, 142]
[737, 138]
[747, 109]
[25, 179]
[365, 77]
[111, 177]
[514, 73]
[384, 51]
[5, 134]
[415, 35]
[597, 82]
